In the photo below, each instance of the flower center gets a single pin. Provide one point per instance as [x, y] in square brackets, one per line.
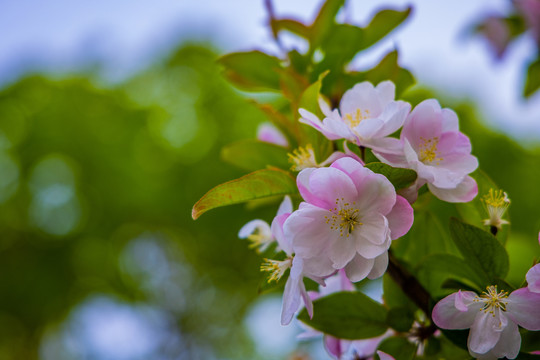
[428, 150]
[493, 300]
[276, 268]
[353, 120]
[495, 202]
[302, 158]
[344, 217]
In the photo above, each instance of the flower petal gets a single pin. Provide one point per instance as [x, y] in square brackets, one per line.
[336, 347]
[386, 91]
[277, 231]
[533, 278]
[465, 191]
[286, 206]
[485, 331]
[379, 266]
[524, 308]
[509, 342]
[401, 218]
[384, 356]
[341, 251]
[308, 231]
[330, 184]
[359, 268]
[446, 316]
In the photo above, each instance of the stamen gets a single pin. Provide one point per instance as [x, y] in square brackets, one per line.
[344, 217]
[276, 268]
[302, 158]
[355, 120]
[493, 300]
[496, 202]
[428, 151]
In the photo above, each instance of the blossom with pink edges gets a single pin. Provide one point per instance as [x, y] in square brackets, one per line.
[350, 216]
[533, 279]
[367, 115]
[259, 233]
[432, 145]
[493, 318]
[267, 132]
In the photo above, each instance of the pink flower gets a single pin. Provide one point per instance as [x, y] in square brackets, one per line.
[267, 132]
[533, 279]
[259, 233]
[493, 318]
[432, 145]
[350, 216]
[366, 115]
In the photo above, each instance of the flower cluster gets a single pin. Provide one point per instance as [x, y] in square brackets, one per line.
[343, 228]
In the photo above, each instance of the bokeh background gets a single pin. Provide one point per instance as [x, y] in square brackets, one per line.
[112, 117]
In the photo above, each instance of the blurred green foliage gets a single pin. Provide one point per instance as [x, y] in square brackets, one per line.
[94, 181]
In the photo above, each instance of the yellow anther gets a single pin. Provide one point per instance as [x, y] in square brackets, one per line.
[428, 151]
[353, 120]
[302, 158]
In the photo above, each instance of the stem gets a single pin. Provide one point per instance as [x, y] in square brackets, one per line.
[363, 153]
[493, 230]
[409, 285]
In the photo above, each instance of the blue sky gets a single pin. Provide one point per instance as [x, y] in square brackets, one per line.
[124, 36]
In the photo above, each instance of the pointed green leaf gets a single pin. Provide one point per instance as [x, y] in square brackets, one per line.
[256, 185]
[324, 21]
[398, 347]
[450, 266]
[347, 315]
[252, 71]
[382, 24]
[400, 178]
[255, 155]
[292, 26]
[532, 82]
[481, 251]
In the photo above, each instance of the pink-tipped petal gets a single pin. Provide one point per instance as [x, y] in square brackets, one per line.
[464, 192]
[330, 185]
[269, 133]
[524, 308]
[509, 342]
[401, 218]
[291, 300]
[286, 206]
[335, 347]
[533, 279]
[446, 316]
[277, 231]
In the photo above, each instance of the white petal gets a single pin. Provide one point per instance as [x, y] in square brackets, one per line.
[509, 342]
[485, 331]
[379, 267]
[359, 268]
[533, 279]
[285, 206]
[464, 191]
[250, 227]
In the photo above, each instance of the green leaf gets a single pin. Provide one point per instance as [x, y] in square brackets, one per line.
[293, 26]
[532, 82]
[256, 185]
[481, 251]
[347, 315]
[255, 155]
[450, 266]
[382, 24]
[400, 178]
[387, 69]
[325, 19]
[399, 347]
[310, 97]
[400, 319]
[252, 71]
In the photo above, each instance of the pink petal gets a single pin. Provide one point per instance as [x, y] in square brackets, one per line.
[368, 128]
[393, 117]
[291, 299]
[318, 267]
[401, 218]
[362, 96]
[308, 231]
[313, 121]
[335, 347]
[533, 279]
[330, 184]
[286, 206]
[359, 268]
[450, 120]
[269, 133]
[464, 192]
[341, 251]
[375, 229]
[446, 316]
[379, 266]
[424, 122]
[277, 231]
[325, 107]
[509, 342]
[524, 308]
[386, 91]
[485, 332]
